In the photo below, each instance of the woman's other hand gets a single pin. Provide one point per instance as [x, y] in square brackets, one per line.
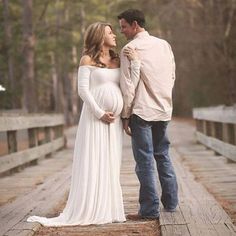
[108, 117]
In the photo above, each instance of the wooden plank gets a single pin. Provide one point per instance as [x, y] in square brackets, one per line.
[8, 123]
[221, 114]
[40, 203]
[174, 230]
[197, 212]
[225, 229]
[175, 218]
[53, 190]
[192, 215]
[216, 174]
[212, 168]
[198, 205]
[20, 233]
[10, 161]
[225, 149]
[202, 229]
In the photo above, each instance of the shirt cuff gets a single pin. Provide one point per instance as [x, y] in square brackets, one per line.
[126, 113]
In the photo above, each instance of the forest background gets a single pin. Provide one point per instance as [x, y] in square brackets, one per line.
[41, 44]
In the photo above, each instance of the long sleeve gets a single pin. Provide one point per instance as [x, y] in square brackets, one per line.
[130, 76]
[84, 92]
[173, 62]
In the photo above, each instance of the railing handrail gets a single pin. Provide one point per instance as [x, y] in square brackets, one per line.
[221, 114]
[216, 129]
[50, 125]
[10, 122]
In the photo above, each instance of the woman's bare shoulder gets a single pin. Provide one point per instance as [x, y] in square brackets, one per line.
[86, 60]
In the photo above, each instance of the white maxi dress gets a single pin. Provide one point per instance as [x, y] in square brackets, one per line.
[95, 195]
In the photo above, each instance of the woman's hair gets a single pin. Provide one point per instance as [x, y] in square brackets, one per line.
[93, 41]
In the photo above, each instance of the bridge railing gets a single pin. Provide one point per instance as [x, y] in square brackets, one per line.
[44, 136]
[216, 129]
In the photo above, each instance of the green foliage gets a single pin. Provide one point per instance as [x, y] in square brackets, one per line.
[196, 29]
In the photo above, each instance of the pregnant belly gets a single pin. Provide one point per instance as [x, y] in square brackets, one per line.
[110, 99]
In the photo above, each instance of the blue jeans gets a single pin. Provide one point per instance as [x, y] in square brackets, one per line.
[150, 145]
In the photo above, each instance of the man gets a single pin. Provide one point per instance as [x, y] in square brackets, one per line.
[146, 113]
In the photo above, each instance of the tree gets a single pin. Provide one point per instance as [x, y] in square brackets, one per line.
[29, 94]
[202, 34]
[8, 42]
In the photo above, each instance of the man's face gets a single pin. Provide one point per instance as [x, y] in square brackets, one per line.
[128, 30]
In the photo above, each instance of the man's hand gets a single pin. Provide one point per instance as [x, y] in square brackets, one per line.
[108, 117]
[126, 126]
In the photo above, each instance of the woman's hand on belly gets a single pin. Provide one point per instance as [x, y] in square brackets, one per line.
[108, 117]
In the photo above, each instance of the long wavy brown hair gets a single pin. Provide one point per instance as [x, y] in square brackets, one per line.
[93, 41]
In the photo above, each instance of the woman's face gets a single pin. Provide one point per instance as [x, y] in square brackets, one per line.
[110, 37]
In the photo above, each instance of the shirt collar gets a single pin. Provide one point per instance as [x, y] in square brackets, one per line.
[141, 34]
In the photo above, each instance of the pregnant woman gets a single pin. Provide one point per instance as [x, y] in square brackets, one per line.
[95, 194]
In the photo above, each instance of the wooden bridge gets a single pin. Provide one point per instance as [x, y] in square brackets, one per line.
[207, 189]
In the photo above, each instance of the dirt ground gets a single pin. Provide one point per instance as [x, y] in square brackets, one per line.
[149, 228]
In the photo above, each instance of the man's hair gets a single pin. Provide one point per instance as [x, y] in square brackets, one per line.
[132, 15]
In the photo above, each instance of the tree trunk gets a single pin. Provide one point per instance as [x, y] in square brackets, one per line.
[8, 41]
[230, 62]
[58, 95]
[76, 102]
[82, 32]
[29, 91]
[82, 20]
[54, 83]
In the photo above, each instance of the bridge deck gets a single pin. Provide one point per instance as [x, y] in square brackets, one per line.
[43, 189]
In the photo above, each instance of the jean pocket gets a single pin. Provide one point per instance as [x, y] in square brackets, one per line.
[139, 121]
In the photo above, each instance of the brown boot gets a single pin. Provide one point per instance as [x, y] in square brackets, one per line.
[136, 217]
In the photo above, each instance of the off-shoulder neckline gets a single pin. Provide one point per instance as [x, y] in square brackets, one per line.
[100, 67]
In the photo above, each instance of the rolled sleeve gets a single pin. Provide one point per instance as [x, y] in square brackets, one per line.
[130, 75]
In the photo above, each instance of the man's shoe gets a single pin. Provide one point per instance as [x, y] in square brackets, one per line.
[136, 217]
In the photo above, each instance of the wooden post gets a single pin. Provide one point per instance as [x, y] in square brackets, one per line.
[234, 134]
[58, 131]
[219, 130]
[213, 129]
[231, 136]
[33, 141]
[11, 141]
[48, 136]
[208, 128]
[225, 133]
[41, 135]
[228, 136]
[199, 124]
[204, 127]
